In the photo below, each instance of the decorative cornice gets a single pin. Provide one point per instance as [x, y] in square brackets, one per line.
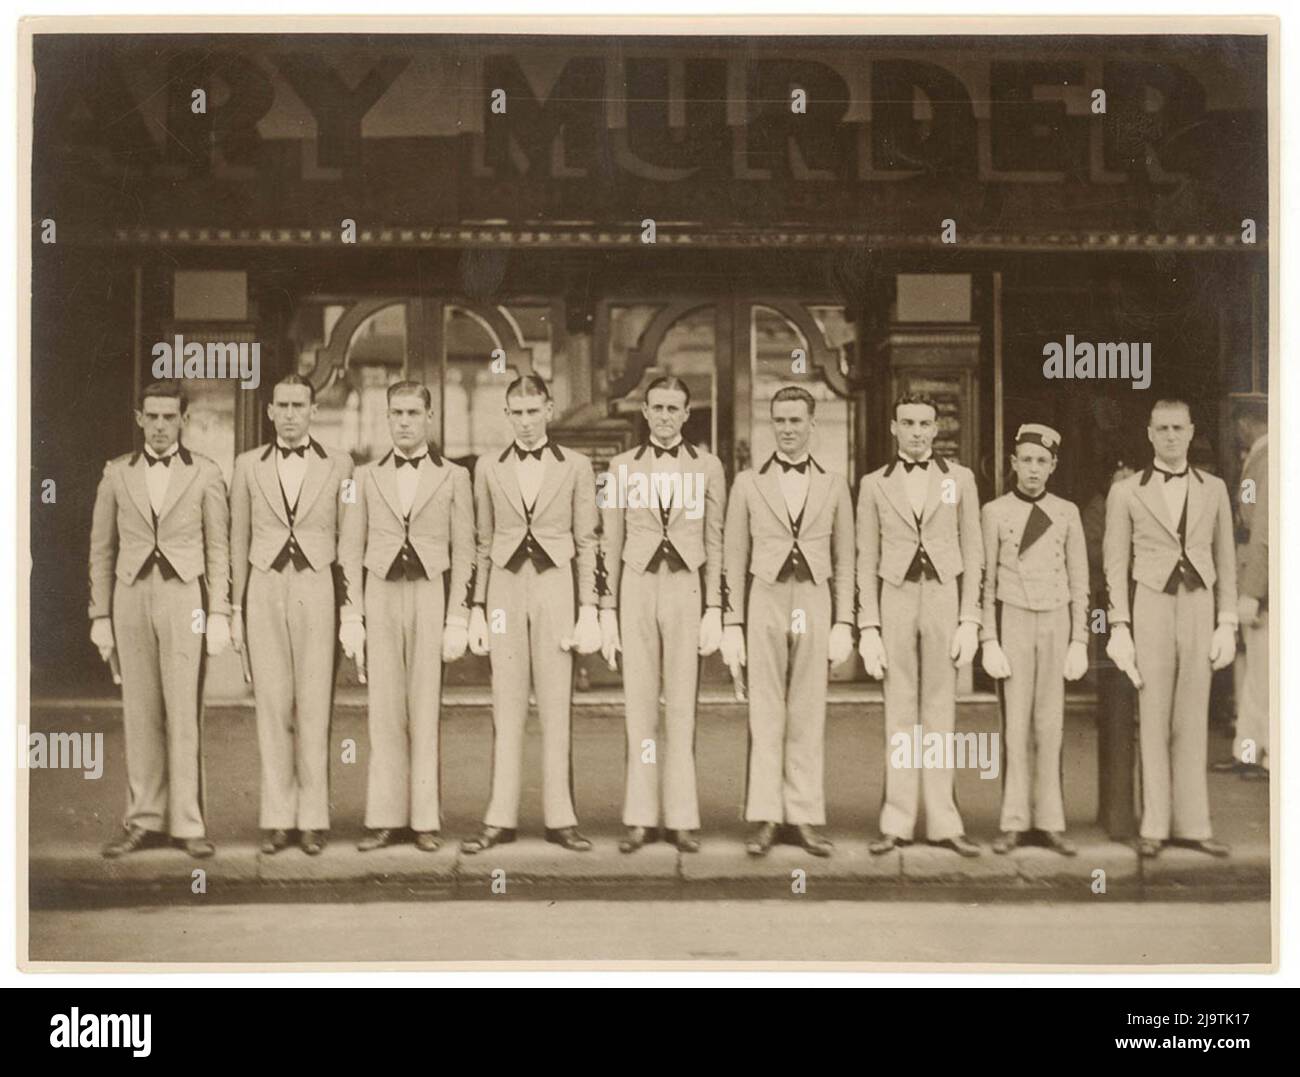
[668, 235]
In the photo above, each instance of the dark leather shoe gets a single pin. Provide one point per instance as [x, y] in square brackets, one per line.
[1148, 848]
[961, 845]
[812, 841]
[569, 838]
[312, 842]
[274, 840]
[377, 839]
[134, 838]
[761, 839]
[885, 843]
[1006, 841]
[1209, 845]
[428, 841]
[632, 840]
[1055, 840]
[199, 848]
[486, 838]
[685, 840]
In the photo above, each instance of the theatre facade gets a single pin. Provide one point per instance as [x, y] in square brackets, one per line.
[856, 215]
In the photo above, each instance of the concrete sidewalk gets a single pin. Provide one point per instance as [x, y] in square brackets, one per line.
[71, 817]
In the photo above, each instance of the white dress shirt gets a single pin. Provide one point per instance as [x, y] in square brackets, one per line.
[158, 477]
[291, 469]
[408, 478]
[1175, 491]
[794, 485]
[530, 471]
[663, 494]
[917, 483]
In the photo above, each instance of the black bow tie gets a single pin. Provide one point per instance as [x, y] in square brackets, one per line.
[164, 460]
[800, 467]
[661, 451]
[414, 461]
[912, 464]
[1172, 474]
[523, 453]
[285, 452]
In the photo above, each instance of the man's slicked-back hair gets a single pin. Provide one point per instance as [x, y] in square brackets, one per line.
[917, 398]
[411, 388]
[172, 389]
[295, 379]
[668, 381]
[529, 385]
[793, 392]
[1171, 402]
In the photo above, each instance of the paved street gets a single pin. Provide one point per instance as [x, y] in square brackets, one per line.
[792, 929]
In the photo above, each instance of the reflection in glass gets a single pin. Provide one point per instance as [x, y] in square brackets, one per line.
[474, 418]
[687, 351]
[773, 340]
[352, 410]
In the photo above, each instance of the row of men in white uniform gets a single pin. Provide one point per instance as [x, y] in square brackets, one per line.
[525, 564]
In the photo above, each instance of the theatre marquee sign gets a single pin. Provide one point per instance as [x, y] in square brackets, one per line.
[881, 134]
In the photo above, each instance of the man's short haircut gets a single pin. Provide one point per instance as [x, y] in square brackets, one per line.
[793, 392]
[668, 381]
[916, 398]
[411, 388]
[528, 385]
[172, 389]
[1255, 411]
[295, 379]
[1171, 402]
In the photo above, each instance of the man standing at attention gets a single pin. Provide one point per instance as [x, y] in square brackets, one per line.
[1035, 633]
[1169, 538]
[920, 562]
[790, 529]
[284, 517]
[160, 575]
[536, 509]
[409, 526]
[657, 611]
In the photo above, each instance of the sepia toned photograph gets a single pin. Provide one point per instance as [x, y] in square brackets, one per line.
[666, 493]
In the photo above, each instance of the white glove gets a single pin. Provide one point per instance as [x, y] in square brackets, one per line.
[218, 633]
[237, 631]
[610, 644]
[478, 631]
[965, 642]
[586, 633]
[101, 635]
[1223, 646]
[1076, 660]
[994, 660]
[1248, 610]
[840, 645]
[352, 634]
[1119, 649]
[710, 631]
[733, 649]
[872, 650]
[455, 638]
